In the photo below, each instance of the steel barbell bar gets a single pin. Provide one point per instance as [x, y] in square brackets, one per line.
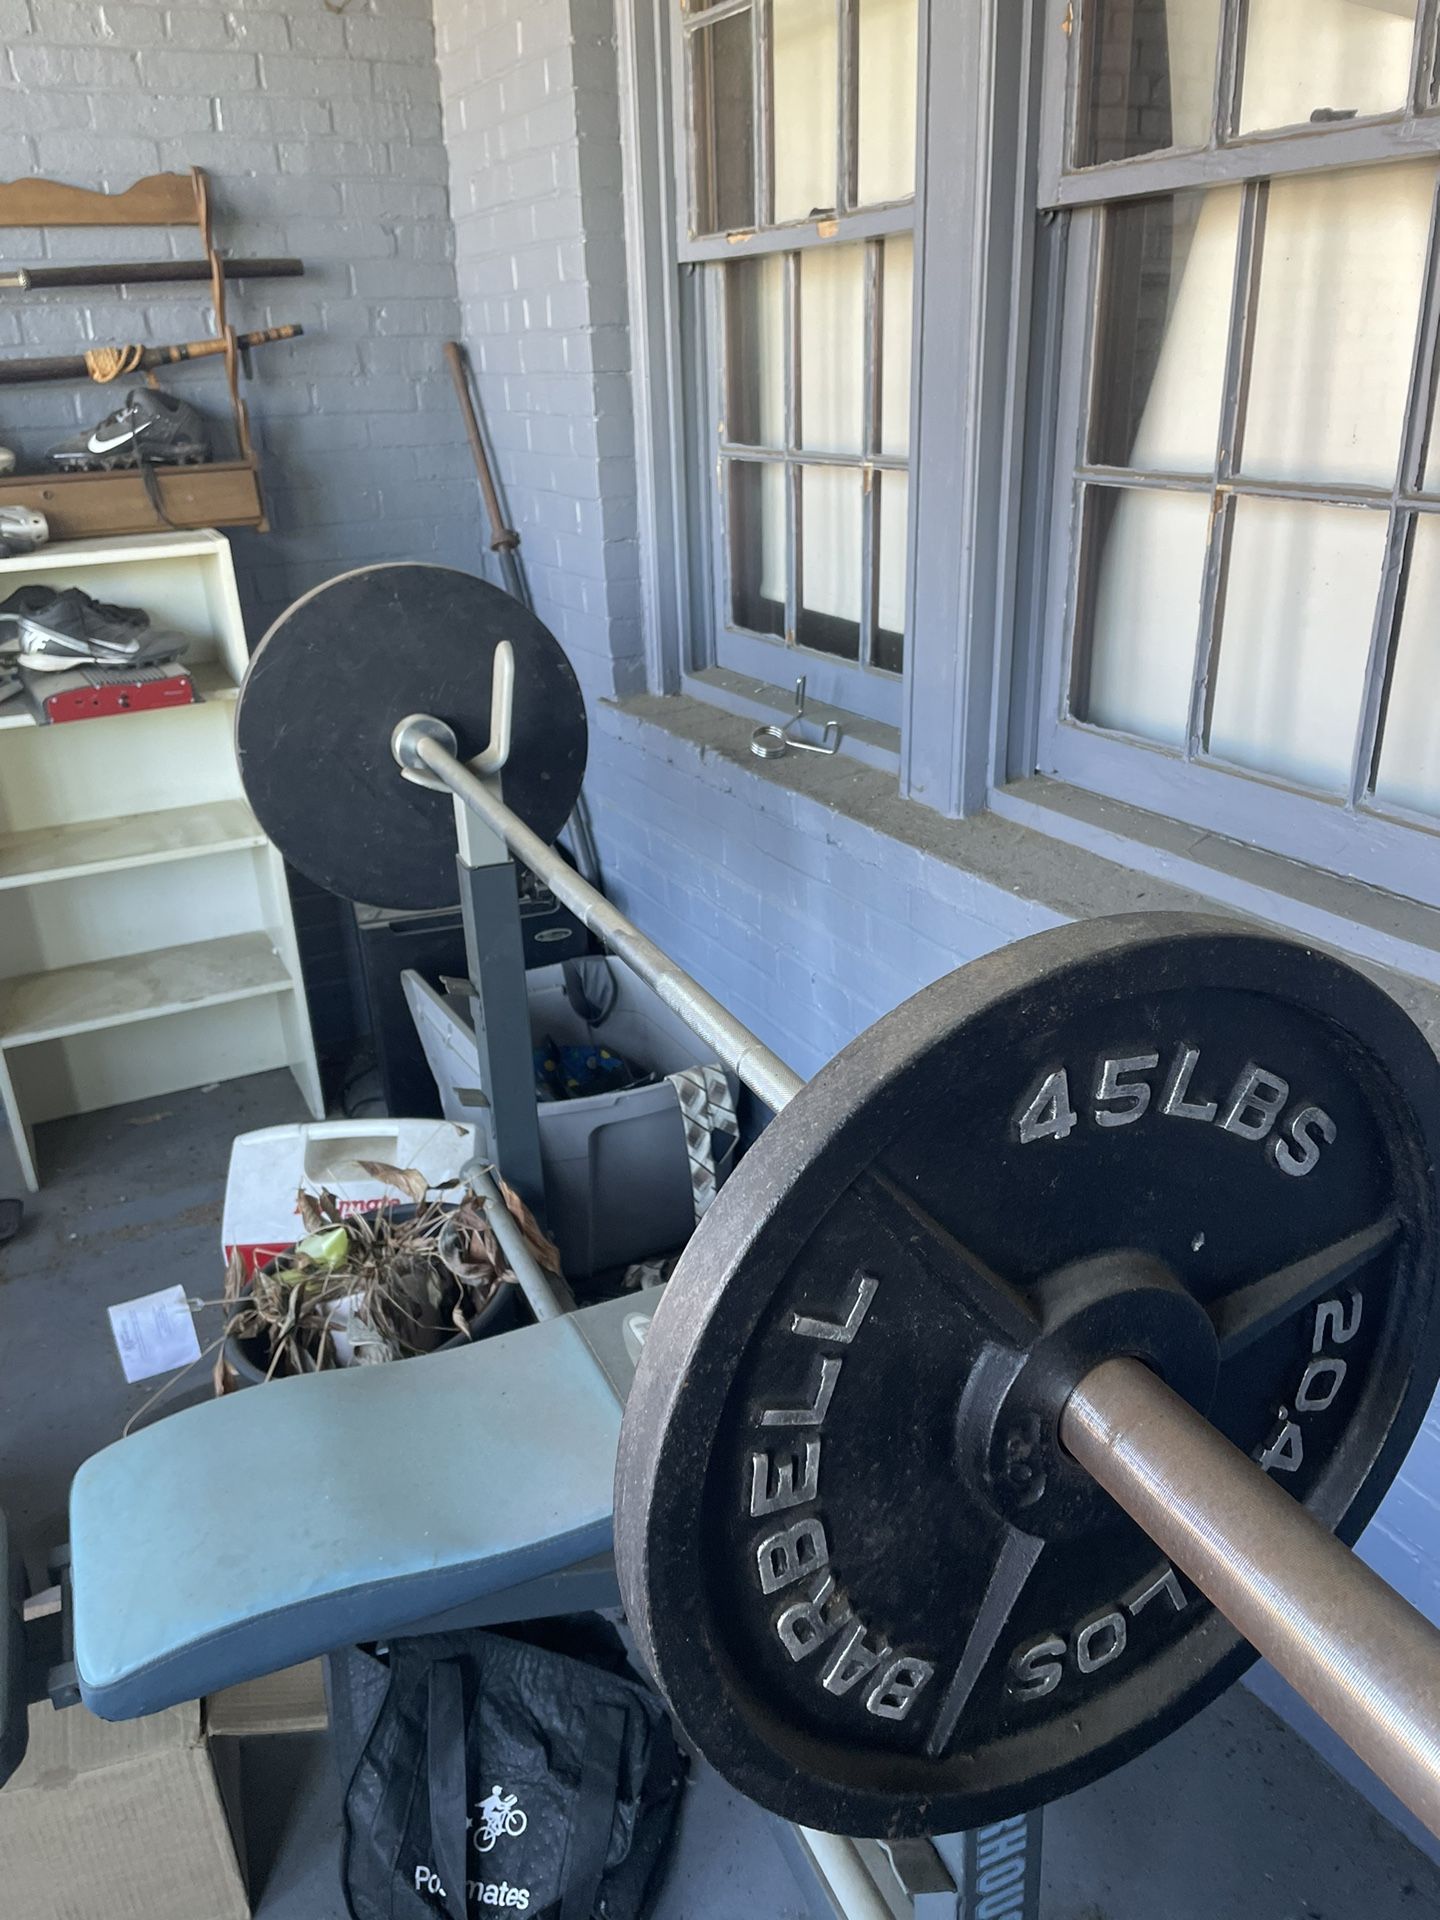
[1363, 1658]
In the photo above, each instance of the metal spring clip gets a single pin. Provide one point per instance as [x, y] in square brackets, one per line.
[771, 741]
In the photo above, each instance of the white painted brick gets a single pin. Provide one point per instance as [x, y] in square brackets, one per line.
[314, 79]
[387, 199]
[341, 239]
[390, 39]
[428, 243]
[397, 279]
[388, 119]
[131, 113]
[352, 396]
[45, 112]
[412, 82]
[76, 23]
[260, 114]
[197, 27]
[333, 157]
[315, 32]
[89, 67]
[417, 160]
[219, 73]
[257, 32]
[221, 153]
[85, 157]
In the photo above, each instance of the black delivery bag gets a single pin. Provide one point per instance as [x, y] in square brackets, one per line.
[500, 1776]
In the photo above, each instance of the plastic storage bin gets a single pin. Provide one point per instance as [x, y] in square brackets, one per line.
[617, 1171]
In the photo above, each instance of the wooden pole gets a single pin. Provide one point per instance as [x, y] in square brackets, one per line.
[82, 366]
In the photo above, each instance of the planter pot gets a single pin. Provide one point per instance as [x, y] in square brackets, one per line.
[247, 1361]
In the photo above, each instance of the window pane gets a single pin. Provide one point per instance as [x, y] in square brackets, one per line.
[1340, 281]
[830, 507]
[724, 128]
[755, 351]
[1324, 60]
[1409, 771]
[832, 348]
[898, 260]
[1136, 647]
[806, 54]
[1169, 267]
[890, 613]
[887, 82]
[1295, 634]
[1151, 78]
[757, 545]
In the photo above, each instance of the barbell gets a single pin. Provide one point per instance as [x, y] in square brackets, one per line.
[1029, 1373]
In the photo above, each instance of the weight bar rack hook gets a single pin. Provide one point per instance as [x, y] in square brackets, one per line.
[415, 727]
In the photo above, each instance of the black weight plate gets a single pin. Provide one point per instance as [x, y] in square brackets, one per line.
[1049, 1659]
[322, 696]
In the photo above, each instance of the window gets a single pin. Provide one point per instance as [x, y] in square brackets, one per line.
[799, 138]
[1245, 602]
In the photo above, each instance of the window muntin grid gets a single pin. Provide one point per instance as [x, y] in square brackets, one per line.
[1247, 594]
[813, 446]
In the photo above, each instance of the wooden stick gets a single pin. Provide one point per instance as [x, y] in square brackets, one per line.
[503, 539]
[78, 366]
[135, 273]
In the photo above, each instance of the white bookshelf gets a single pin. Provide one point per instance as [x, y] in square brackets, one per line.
[146, 939]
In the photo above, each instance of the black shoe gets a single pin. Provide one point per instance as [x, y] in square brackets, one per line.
[53, 631]
[152, 429]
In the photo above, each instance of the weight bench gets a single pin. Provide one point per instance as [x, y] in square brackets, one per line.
[259, 1530]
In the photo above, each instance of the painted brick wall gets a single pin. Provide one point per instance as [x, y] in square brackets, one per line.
[809, 924]
[321, 134]
[531, 124]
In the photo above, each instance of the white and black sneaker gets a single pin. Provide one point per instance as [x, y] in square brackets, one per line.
[55, 632]
[152, 429]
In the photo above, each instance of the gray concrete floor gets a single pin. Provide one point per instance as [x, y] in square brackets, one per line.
[1232, 1818]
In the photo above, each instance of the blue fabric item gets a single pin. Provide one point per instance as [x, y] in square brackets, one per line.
[244, 1535]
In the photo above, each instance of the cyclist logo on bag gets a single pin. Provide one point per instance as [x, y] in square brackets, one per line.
[499, 1815]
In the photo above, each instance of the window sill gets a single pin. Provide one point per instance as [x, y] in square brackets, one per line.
[1046, 853]
[870, 742]
[1380, 930]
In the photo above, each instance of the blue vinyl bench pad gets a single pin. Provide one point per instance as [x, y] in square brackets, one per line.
[274, 1524]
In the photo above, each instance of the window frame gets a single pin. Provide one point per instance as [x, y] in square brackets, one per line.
[973, 558]
[856, 686]
[1380, 842]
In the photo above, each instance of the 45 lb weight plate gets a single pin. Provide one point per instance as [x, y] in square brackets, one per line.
[877, 1593]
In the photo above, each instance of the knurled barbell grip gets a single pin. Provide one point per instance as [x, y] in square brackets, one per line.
[1362, 1657]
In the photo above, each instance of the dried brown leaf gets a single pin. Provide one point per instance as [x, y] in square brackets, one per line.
[235, 1275]
[311, 1218]
[543, 1248]
[406, 1180]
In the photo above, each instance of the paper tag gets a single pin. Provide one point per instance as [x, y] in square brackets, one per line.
[154, 1334]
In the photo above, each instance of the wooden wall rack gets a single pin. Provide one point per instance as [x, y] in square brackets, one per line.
[220, 493]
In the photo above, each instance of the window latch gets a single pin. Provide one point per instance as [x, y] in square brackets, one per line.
[773, 740]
